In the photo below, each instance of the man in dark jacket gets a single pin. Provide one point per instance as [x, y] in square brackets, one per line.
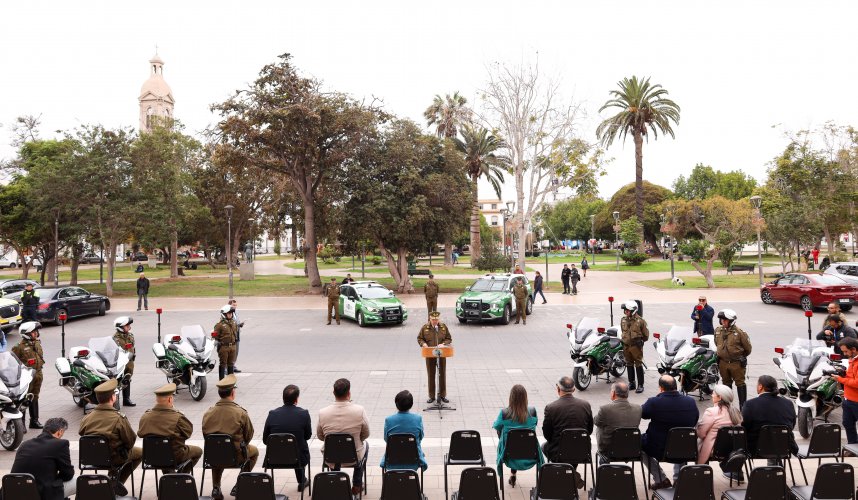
[703, 315]
[835, 330]
[291, 419]
[768, 408]
[565, 275]
[537, 287]
[665, 411]
[47, 458]
[30, 303]
[567, 412]
[143, 291]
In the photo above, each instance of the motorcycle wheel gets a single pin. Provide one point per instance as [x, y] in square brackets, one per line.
[805, 422]
[582, 378]
[80, 402]
[198, 389]
[13, 434]
[713, 374]
[618, 365]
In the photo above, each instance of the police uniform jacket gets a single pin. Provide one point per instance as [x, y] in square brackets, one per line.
[333, 291]
[123, 339]
[107, 421]
[227, 331]
[30, 298]
[732, 343]
[30, 349]
[163, 420]
[427, 335]
[431, 289]
[226, 417]
[520, 291]
[634, 329]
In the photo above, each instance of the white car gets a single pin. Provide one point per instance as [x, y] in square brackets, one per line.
[6, 262]
[847, 271]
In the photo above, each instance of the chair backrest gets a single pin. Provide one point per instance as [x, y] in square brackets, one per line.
[219, 451]
[681, 445]
[521, 444]
[340, 449]
[158, 453]
[332, 486]
[625, 444]
[94, 487]
[465, 446]
[575, 447]
[557, 482]
[825, 439]
[695, 483]
[615, 482]
[401, 450]
[729, 439]
[400, 485]
[94, 452]
[835, 480]
[767, 483]
[254, 486]
[773, 442]
[177, 487]
[478, 483]
[20, 487]
[282, 452]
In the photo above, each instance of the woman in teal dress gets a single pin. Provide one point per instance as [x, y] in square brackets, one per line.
[516, 416]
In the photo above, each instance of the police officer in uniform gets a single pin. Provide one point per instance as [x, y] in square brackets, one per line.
[164, 421]
[432, 334]
[733, 348]
[226, 417]
[635, 333]
[29, 351]
[105, 420]
[520, 292]
[431, 291]
[29, 303]
[226, 335]
[125, 340]
[333, 293]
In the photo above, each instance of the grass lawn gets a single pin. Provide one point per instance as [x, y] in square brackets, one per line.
[274, 257]
[423, 264]
[660, 265]
[737, 281]
[124, 271]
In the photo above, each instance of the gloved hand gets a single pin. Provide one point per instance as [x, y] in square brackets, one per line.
[638, 342]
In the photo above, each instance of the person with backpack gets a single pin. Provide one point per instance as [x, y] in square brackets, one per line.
[574, 278]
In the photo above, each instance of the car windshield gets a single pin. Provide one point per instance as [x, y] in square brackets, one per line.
[195, 335]
[374, 292]
[106, 349]
[489, 285]
[10, 369]
[585, 327]
[677, 337]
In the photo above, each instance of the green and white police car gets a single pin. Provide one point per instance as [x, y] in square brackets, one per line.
[370, 303]
[490, 298]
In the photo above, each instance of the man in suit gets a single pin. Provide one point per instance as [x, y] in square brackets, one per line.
[292, 419]
[614, 415]
[47, 458]
[567, 412]
[346, 417]
[666, 410]
[768, 408]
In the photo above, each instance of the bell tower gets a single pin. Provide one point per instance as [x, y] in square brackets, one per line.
[156, 98]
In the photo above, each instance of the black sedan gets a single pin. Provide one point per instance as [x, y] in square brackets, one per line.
[74, 301]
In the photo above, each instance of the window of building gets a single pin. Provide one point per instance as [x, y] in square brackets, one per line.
[494, 220]
[494, 206]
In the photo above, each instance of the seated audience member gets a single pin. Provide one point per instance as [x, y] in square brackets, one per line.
[346, 417]
[566, 412]
[47, 458]
[516, 416]
[405, 422]
[768, 408]
[619, 413]
[292, 419]
[666, 410]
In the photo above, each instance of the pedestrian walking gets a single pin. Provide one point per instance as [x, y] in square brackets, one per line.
[585, 265]
[537, 288]
[574, 279]
[143, 291]
[455, 257]
[564, 277]
[815, 253]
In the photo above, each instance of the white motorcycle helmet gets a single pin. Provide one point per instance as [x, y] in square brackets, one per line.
[728, 314]
[630, 305]
[120, 322]
[225, 310]
[26, 329]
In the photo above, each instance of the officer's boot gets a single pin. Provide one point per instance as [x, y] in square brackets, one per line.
[230, 369]
[221, 371]
[743, 395]
[640, 371]
[632, 384]
[34, 415]
[126, 395]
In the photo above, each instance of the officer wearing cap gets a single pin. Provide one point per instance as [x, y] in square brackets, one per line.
[430, 289]
[29, 351]
[432, 334]
[733, 347]
[332, 291]
[521, 295]
[164, 421]
[226, 334]
[125, 340]
[635, 333]
[106, 421]
[226, 417]
[29, 303]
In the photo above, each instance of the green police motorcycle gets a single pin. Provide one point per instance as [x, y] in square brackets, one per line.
[595, 351]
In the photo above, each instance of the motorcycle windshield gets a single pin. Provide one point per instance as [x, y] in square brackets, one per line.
[10, 370]
[806, 354]
[584, 328]
[195, 335]
[677, 337]
[106, 349]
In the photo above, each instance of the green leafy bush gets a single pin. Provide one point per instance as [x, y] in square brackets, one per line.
[327, 254]
[634, 258]
[694, 249]
[376, 260]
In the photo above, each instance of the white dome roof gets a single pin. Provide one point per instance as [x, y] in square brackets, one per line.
[156, 86]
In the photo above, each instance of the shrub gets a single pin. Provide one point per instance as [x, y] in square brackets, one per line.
[327, 254]
[376, 260]
[634, 258]
[277, 248]
[492, 262]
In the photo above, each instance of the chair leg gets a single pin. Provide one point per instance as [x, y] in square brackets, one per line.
[801, 464]
[203, 480]
[143, 481]
[446, 487]
[502, 487]
[310, 479]
[792, 475]
[157, 490]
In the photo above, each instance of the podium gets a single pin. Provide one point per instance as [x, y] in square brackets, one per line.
[438, 352]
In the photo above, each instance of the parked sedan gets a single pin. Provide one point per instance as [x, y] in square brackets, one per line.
[90, 258]
[73, 300]
[16, 286]
[810, 291]
[847, 271]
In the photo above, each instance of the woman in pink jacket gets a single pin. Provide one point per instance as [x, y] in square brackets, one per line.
[721, 413]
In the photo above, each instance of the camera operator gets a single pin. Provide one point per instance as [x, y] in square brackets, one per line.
[849, 379]
[835, 330]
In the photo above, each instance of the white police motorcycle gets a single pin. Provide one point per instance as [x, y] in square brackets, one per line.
[15, 381]
[186, 359]
[690, 359]
[85, 368]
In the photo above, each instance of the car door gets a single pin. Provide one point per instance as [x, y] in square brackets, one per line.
[778, 289]
[347, 299]
[88, 302]
[798, 286]
[508, 290]
[66, 300]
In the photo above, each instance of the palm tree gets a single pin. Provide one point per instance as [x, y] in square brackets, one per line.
[447, 114]
[642, 107]
[482, 160]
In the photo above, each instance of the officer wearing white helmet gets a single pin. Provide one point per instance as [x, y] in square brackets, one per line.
[29, 351]
[125, 340]
[635, 334]
[733, 348]
[226, 334]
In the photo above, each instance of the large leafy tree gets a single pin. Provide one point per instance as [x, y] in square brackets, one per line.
[624, 202]
[643, 109]
[570, 219]
[704, 182]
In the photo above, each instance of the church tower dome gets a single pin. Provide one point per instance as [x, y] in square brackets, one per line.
[156, 97]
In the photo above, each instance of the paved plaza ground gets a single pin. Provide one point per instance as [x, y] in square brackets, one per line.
[286, 341]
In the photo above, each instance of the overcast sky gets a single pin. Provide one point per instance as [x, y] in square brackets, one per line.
[743, 73]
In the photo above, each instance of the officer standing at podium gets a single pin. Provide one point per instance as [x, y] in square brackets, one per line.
[432, 334]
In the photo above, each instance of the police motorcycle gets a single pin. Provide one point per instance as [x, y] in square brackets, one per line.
[690, 359]
[595, 351]
[85, 368]
[15, 381]
[186, 359]
[808, 366]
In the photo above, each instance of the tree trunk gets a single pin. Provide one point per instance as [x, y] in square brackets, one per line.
[310, 246]
[706, 272]
[475, 224]
[110, 253]
[75, 263]
[174, 251]
[398, 267]
[827, 232]
[448, 253]
[522, 242]
[639, 204]
[294, 237]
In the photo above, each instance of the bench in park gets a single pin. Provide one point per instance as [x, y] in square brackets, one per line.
[741, 267]
[413, 271]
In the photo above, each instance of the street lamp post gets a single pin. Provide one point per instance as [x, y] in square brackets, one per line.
[228, 210]
[504, 214]
[593, 236]
[617, 237]
[57, 249]
[253, 240]
[669, 245]
[757, 201]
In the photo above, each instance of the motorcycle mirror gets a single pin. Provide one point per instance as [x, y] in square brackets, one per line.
[600, 329]
[779, 350]
[569, 325]
[178, 338]
[128, 346]
[835, 357]
[656, 335]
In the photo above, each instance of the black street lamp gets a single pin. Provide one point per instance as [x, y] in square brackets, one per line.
[228, 209]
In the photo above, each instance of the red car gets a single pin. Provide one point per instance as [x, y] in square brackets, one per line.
[810, 290]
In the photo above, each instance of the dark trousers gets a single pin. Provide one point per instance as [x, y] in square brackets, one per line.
[574, 286]
[540, 293]
[565, 285]
[850, 417]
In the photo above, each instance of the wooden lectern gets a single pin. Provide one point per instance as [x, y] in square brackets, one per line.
[438, 352]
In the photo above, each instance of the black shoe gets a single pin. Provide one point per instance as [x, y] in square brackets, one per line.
[216, 494]
[35, 424]
[119, 488]
[236, 370]
[430, 400]
[443, 399]
[660, 485]
[579, 481]
[512, 480]
[639, 389]
[304, 484]
[544, 301]
[517, 322]
[233, 490]
[632, 385]
[129, 403]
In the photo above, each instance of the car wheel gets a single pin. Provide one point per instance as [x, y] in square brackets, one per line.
[846, 308]
[12, 265]
[529, 309]
[766, 296]
[462, 320]
[507, 312]
[360, 321]
[806, 303]
[59, 313]
[102, 309]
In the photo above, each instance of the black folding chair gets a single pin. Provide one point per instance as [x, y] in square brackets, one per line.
[824, 443]
[219, 453]
[256, 486]
[555, 482]
[478, 483]
[97, 487]
[576, 449]
[177, 487]
[94, 455]
[401, 485]
[332, 486]
[681, 446]
[340, 451]
[626, 448]
[158, 455]
[615, 482]
[764, 483]
[402, 451]
[731, 450]
[284, 452]
[20, 487]
[521, 444]
[773, 443]
[833, 481]
[694, 483]
[465, 449]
